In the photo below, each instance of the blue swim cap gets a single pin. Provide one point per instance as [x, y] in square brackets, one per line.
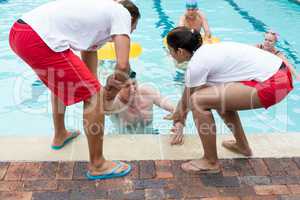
[191, 4]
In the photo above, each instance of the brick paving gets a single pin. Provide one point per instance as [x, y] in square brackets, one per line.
[240, 179]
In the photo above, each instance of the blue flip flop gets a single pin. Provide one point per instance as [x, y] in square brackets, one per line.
[74, 134]
[112, 173]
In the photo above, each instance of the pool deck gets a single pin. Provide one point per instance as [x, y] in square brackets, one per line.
[144, 147]
[29, 170]
[240, 179]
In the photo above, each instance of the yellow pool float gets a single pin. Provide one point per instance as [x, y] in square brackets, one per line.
[107, 52]
[211, 40]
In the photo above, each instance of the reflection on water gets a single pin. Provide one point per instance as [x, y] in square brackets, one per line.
[3, 1]
[37, 90]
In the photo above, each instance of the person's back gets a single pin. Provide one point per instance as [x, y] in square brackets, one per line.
[62, 24]
[230, 61]
[269, 44]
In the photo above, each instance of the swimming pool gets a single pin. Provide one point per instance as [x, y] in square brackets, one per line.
[21, 113]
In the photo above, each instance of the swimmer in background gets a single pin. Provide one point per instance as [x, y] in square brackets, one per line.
[270, 40]
[194, 19]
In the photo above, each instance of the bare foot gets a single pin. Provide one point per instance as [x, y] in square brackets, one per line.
[231, 145]
[107, 167]
[201, 166]
[58, 141]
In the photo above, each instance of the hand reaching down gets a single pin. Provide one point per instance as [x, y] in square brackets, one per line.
[177, 137]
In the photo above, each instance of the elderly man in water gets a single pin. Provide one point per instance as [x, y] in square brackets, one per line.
[132, 110]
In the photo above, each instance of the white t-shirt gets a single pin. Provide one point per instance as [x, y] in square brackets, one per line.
[229, 62]
[79, 24]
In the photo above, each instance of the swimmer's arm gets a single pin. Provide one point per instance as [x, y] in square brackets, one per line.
[112, 106]
[109, 106]
[163, 102]
[291, 68]
[205, 25]
[91, 60]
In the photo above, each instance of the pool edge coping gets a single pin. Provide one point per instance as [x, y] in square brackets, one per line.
[144, 147]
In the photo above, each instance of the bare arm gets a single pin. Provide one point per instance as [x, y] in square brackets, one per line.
[163, 102]
[91, 60]
[182, 108]
[179, 117]
[205, 25]
[113, 106]
[122, 48]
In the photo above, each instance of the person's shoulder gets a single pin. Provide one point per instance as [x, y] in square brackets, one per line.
[207, 53]
[206, 47]
[148, 90]
[201, 13]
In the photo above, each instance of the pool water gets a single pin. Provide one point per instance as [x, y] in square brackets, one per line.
[25, 107]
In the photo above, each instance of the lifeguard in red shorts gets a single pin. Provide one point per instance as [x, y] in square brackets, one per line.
[45, 39]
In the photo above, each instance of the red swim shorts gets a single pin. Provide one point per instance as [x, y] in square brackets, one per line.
[275, 88]
[64, 73]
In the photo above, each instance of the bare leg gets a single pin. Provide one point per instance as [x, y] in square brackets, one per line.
[229, 97]
[204, 122]
[93, 116]
[60, 132]
[233, 122]
[93, 119]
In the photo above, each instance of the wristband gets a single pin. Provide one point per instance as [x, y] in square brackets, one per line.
[131, 74]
